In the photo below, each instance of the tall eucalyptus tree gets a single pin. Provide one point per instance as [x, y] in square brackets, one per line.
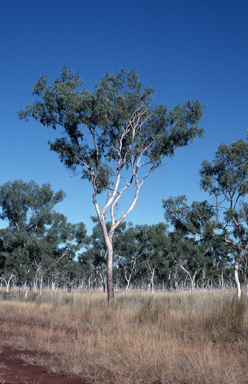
[110, 135]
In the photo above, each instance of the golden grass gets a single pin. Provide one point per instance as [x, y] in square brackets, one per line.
[165, 337]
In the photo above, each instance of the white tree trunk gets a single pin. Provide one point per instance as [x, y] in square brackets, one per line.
[236, 278]
[40, 285]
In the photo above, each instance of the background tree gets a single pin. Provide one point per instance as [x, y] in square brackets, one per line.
[37, 236]
[226, 179]
[130, 253]
[190, 255]
[194, 227]
[153, 242]
[7, 259]
[111, 130]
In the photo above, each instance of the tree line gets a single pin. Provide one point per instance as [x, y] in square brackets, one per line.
[112, 130]
[195, 247]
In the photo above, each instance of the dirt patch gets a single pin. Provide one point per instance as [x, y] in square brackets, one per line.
[22, 367]
[14, 370]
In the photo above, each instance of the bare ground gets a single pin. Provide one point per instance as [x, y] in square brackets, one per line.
[15, 370]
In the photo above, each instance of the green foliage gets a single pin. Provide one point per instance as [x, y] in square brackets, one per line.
[193, 245]
[37, 236]
[226, 178]
[114, 127]
[196, 219]
[120, 118]
[227, 174]
[26, 206]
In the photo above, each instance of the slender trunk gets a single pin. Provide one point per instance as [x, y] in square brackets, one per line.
[203, 277]
[236, 278]
[152, 282]
[94, 281]
[110, 284]
[89, 283]
[104, 282]
[53, 285]
[168, 282]
[222, 281]
[109, 245]
[175, 278]
[127, 285]
[40, 285]
[26, 290]
[192, 285]
[246, 280]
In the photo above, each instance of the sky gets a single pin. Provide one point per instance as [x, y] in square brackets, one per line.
[184, 49]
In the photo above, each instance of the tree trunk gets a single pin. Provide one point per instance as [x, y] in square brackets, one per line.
[152, 283]
[110, 284]
[192, 284]
[236, 278]
[40, 285]
[203, 277]
[53, 285]
[104, 282]
[26, 290]
[222, 281]
[175, 278]
[168, 282]
[127, 284]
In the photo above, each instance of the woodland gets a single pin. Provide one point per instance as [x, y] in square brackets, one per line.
[113, 129]
[176, 308]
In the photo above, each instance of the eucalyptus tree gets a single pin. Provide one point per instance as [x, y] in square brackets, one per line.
[36, 236]
[113, 137]
[27, 208]
[60, 245]
[226, 180]
[130, 253]
[154, 240]
[94, 258]
[189, 255]
[221, 264]
[7, 259]
[192, 240]
[195, 219]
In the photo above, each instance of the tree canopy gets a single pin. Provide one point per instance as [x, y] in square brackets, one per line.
[36, 236]
[115, 127]
[226, 180]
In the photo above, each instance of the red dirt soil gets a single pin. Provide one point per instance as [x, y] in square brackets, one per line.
[13, 370]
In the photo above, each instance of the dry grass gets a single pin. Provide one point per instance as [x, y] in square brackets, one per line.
[169, 338]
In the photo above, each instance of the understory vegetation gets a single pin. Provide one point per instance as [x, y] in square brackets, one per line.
[165, 337]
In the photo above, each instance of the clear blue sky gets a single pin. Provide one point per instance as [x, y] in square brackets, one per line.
[184, 49]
